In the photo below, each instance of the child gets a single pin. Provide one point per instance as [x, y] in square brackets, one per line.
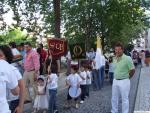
[41, 97]
[73, 80]
[52, 84]
[89, 79]
[83, 76]
[111, 70]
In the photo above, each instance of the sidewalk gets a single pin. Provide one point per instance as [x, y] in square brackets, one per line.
[142, 104]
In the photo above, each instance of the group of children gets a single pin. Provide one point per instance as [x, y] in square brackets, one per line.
[79, 79]
[47, 89]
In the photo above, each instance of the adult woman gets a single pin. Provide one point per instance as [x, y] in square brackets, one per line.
[52, 63]
[7, 79]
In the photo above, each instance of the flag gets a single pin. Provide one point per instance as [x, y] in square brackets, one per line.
[98, 57]
[58, 47]
[78, 51]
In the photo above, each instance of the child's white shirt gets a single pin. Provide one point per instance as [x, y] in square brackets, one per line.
[74, 79]
[89, 77]
[52, 81]
[83, 75]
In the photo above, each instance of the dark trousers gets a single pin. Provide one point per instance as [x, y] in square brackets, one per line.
[88, 90]
[83, 92]
[52, 100]
[111, 77]
[102, 70]
[95, 74]
[13, 104]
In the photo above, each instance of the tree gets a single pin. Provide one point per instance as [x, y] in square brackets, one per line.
[14, 35]
[109, 18]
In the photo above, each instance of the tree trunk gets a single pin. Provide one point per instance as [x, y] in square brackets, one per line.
[57, 18]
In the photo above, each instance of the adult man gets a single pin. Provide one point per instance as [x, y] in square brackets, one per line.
[7, 78]
[124, 70]
[31, 68]
[102, 70]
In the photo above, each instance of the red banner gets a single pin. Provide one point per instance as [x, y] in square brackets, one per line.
[58, 47]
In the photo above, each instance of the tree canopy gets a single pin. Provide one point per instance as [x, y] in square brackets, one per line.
[79, 20]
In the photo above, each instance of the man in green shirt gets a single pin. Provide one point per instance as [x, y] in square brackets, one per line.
[123, 71]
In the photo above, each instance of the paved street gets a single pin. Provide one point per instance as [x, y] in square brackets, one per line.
[143, 94]
[99, 101]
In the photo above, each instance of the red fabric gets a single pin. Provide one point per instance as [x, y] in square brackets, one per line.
[58, 47]
[43, 55]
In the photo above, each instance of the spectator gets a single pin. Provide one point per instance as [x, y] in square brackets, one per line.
[7, 78]
[31, 67]
[124, 70]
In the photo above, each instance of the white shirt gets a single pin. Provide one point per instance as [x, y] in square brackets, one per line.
[17, 74]
[98, 59]
[15, 52]
[52, 81]
[7, 80]
[103, 60]
[74, 79]
[68, 55]
[89, 77]
[111, 67]
[91, 55]
[84, 75]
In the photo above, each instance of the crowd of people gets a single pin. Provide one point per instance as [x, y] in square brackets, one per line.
[31, 75]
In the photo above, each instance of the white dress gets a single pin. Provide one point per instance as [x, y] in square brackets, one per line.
[41, 101]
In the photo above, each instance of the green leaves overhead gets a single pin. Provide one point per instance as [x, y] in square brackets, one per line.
[81, 20]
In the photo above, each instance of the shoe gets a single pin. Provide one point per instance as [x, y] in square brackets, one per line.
[81, 102]
[77, 106]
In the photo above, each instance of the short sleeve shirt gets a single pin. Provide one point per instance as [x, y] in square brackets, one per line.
[7, 80]
[84, 75]
[54, 81]
[15, 52]
[122, 66]
[17, 74]
[74, 79]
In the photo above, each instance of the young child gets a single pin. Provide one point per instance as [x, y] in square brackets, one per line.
[111, 70]
[83, 76]
[41, 102]
[88, 71]
[73, 80]
[52, 85]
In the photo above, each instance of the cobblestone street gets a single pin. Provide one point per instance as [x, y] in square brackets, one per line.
[99, 101]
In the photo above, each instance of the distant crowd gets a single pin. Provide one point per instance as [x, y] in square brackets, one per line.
[33, 74]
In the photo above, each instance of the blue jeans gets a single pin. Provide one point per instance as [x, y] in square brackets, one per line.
[52, 100]
[95, 78]
[99, 80]
[102, 71]
[111, 77]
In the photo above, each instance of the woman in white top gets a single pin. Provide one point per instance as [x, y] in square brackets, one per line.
[7, 80]
[73, 80]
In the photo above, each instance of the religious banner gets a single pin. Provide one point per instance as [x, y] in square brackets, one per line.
[78, 51]
[57, 46]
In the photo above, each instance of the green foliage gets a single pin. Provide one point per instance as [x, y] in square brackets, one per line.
[82, 20]
[14, 35]
[114, 20]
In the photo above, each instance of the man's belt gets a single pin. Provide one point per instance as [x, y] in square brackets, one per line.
[121, 79]
[31, 70]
